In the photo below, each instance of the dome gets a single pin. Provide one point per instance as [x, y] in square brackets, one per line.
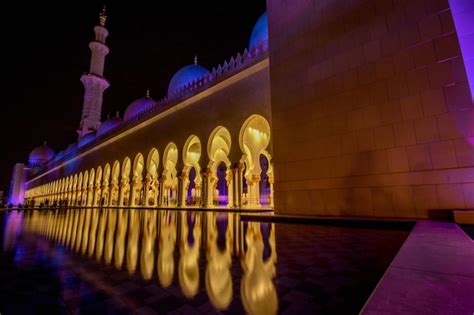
[138, 106]
[108, 125]
[260, 31]
[71, 148]
[59, 156]
[86, 139]
[41, 155]
[185, 76]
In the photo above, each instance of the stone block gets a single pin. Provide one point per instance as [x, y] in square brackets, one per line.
[384, 137]
[465, 152]
[433, 102]
[419, 157]
[397, 160]
[426, 129]
[411, 107]
[443, 154]
[404, 133]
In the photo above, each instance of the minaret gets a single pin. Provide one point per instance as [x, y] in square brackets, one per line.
[94, 82]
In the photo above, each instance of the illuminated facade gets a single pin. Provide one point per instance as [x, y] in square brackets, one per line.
[360, 108]
[206, 144]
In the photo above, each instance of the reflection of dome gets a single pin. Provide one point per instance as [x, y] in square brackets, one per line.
[108, 125]
[260, 31]
[185, 76]
[71, 148]
[86, 139]
[59, 156]
[138, 106]
[41, 155]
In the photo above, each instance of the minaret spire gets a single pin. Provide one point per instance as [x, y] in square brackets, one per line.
[94, 81]
[195, 59]
[102, 17]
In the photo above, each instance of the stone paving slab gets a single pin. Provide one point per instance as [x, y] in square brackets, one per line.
[433, 273]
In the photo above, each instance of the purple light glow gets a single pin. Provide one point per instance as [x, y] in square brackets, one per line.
[463, 16]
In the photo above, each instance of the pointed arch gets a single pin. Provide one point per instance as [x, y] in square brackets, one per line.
[152, 183]
[192, 172]
[220, 177]
[115, 190]
[169, 185]
[137, 181]
[104, 200]
[125, 182]
[254, 139]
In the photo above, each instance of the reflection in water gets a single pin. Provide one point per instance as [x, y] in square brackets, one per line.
[109, 242]
[218, 277]
[257, 289]
[132, 245]
[120, 238]
[165, 262]
[100, 234]
[147, 255]
[211, 242]
[189, 253]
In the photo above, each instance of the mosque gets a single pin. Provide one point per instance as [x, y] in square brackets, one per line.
[207, 143]
[336, 108]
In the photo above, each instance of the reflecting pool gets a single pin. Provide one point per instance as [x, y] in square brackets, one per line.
[96, 261]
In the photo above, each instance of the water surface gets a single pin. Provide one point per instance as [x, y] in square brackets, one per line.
[96, 261]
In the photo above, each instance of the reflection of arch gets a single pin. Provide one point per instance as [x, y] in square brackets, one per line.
[114, 192]
[218, 278]
[167, 241]
[169, 179]
[188, 268]
[132, 243]
[257, 290]
[151, 185]
[147, 255]
[109, 237]
[254, 138]
[125, 182]
[137, 180]
[191, 186]
[218, 149]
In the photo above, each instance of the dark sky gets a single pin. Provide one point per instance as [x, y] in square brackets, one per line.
[45, 47]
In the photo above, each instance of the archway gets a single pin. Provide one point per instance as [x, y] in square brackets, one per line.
[85, 184]
[192, 181]
[90, 188]
[137, 181]
[74, 190]
[218, 149]
[114, 193]
[169, 187]
[151, 189]
[254, 138]
[97, 187]
[104, 200]
[79, 189]
[125, 183]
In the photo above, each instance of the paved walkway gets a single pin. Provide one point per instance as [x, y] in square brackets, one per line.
[433, 273]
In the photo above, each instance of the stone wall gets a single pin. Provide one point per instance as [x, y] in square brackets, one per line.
[371, 108]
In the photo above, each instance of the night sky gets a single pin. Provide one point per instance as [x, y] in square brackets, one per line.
[45, 48]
